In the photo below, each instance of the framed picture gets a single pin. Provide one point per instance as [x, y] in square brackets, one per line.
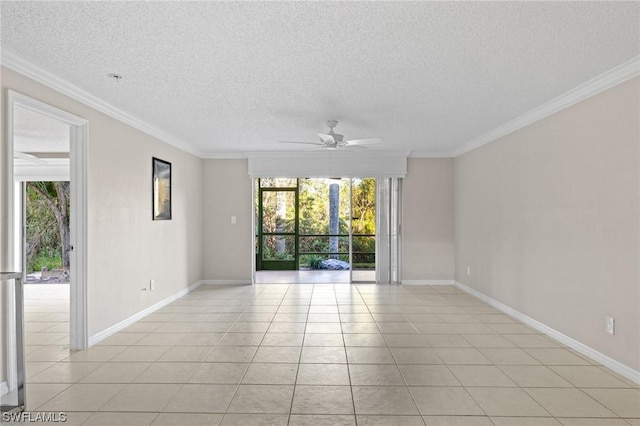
[161, 183]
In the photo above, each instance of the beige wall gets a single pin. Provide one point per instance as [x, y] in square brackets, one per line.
[548, 220]
[227, 247]
[428, 246]
[126, 248]
[427, 220]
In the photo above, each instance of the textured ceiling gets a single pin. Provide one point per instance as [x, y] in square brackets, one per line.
[239, 76]
[35, 132]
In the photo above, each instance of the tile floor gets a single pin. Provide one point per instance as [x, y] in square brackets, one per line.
[319, 355]
[315, 277]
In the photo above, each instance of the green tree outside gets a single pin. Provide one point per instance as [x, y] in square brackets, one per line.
[47, 230]
[279, 214]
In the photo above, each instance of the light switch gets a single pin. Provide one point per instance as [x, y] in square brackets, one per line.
[233, 220]
[609, 325]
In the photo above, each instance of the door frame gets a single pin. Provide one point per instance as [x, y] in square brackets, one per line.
[79, 330]
[287, 265]
[256, 222]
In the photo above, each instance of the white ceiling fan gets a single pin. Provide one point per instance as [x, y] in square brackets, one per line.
[334, 140]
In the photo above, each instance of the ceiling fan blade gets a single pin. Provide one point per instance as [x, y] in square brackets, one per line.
[353, 148]
[327, 138]
[304, 143]
[365, 141]
[28, 157]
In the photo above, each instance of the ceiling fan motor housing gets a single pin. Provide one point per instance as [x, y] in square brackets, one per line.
[337, 138]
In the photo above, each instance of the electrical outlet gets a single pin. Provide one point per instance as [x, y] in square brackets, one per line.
[468, 270]
[152, 284]
[609, 325]
[233, 220]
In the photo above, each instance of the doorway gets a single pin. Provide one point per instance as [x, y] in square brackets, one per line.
[315, 230]
[48, 145]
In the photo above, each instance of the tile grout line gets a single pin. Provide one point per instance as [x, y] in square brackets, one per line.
[181, 385]
[304, 336]
[237, 388]
[353, 398]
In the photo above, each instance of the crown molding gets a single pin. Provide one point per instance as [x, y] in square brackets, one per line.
[13, 61]
[223, 155]
[589, 88]
[430, 154]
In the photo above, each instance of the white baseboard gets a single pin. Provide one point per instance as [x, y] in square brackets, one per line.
[98, 337]
[428, 282]
[4, 388]
[225, 282]
[577, 346]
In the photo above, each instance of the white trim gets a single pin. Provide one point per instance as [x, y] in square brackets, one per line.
[100, 336]
[608, 362]
[78, 139]
[428, 282]
[223, 155]
[78, 156]
[4, 388]
[78, 159]
[11, 360]
[26, 68]
[587, 89]
[420, 153]
[57, 169]
[226, 282]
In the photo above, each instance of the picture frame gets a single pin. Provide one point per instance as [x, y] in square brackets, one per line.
[161, 189]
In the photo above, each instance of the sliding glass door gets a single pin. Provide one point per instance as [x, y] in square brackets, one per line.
[316, 224]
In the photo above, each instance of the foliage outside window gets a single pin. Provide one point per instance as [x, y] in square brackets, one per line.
[47, 230]
[314, 236]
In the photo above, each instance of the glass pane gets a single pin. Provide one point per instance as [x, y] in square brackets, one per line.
[323, 262]
[278, 182]
[364, 206]
[324, 245]
[364, 252]
[278, 211]
[278, 247]
[324, 206]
